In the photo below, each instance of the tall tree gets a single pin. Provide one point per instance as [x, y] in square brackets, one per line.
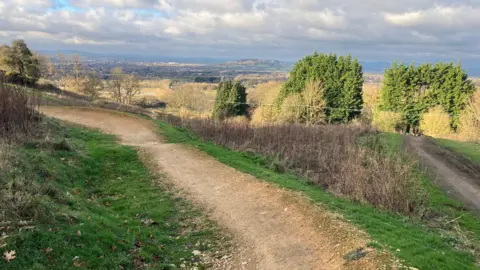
[394, 81]
[131, 88]
[413, 90]
[77, 69]
[92, 85]
[124, 87]
[342, 79]
[230, 100]
[352, 97]
[115, 83]
[20, 62]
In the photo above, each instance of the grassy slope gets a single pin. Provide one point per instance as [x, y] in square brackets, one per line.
[470, 150]
[415, 242]
[97, 196]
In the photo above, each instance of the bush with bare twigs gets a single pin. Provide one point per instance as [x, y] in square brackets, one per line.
[264, 97]
[328, 155]
[371, 99]
[18, 114]
[435, 122]
[469, 127]
[387, 121]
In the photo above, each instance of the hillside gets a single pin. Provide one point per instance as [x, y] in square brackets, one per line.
[258, 62]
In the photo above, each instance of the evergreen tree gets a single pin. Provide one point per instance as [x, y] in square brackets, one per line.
[231, 100]
[352, 98]
[394, 82]
[21, 64]
[412, 90]
[342, 80]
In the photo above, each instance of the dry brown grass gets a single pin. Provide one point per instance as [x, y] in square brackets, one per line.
[329, 156]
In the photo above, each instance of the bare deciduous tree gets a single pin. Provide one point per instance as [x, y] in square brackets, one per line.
[77, 69]
[92, 85]
[131, 88]
[51, 69]
[124, 87]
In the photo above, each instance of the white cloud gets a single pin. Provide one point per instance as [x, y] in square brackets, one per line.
[441, 16]
[277, 28]
[404, 19]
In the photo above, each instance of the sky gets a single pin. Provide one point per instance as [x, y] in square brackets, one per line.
[372, 30]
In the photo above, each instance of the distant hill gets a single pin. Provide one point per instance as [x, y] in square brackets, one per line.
[259, 62]
[136, 57]
[258, 65]
[249, 64]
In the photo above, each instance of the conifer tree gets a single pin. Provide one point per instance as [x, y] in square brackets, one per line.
[230, 100]
[342, 80]
[412, 90]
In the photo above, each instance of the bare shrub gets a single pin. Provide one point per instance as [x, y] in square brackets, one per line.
[328, 155]
[264, 96]
[189, 114]
[314, 102]
[292, 109]
[265, 93]
[387, 121]
[371, 99]
[469, 127]
[435, 122]
[17, 111]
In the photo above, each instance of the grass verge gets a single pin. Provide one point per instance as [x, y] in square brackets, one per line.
[469, 150]
[89, 202]
[430, 243]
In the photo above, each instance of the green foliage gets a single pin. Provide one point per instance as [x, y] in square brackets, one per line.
[230, 101]
[342, 79]
[20, 64]
[411, 90]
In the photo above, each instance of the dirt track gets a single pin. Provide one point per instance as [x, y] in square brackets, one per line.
[455, 174]
[275, 229]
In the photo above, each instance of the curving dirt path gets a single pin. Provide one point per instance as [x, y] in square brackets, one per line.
[275, 229]
[455, 174]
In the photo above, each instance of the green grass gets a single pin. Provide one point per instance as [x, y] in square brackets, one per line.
[90, 204]
[418, 243]
[469, 150]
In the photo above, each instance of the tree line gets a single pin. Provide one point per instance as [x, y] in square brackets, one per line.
[326, 88]
[412, 90]
[341, 80]
[321, 88]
